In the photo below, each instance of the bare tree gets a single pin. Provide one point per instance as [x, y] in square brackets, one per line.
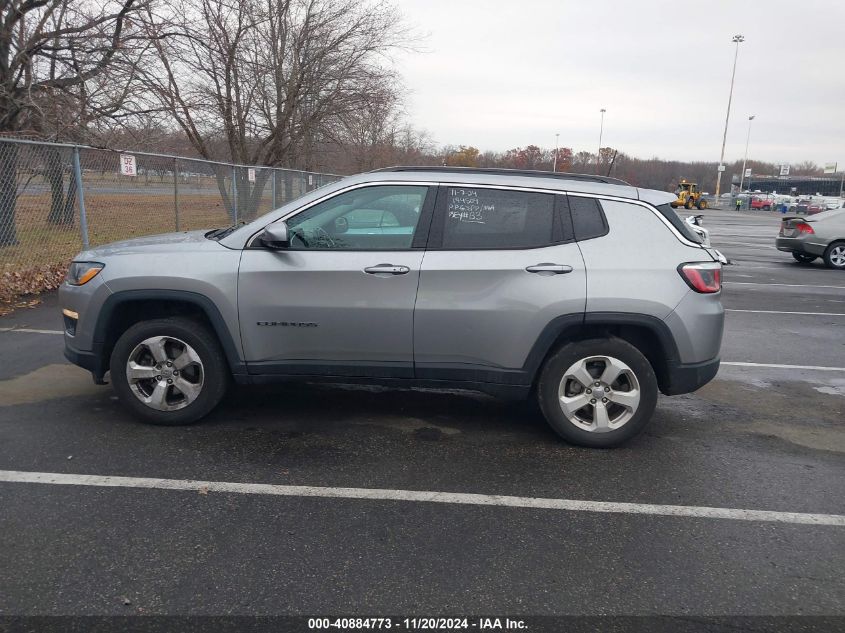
[273, 78]
[52, 55]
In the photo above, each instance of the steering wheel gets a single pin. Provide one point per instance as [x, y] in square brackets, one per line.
[322, 235]
[299, 235]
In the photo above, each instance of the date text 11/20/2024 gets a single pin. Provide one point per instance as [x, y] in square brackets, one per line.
[417, 624]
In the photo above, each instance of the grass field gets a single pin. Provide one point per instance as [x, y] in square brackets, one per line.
[34, 265]
[117, 208]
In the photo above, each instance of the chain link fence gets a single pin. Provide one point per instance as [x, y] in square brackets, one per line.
[57, 199]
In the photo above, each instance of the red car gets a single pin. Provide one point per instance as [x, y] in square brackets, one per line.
[762, 202]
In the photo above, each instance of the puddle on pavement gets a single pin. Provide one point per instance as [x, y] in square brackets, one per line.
[423, 429]
[792, 411]
[47, 383]
[835, 388]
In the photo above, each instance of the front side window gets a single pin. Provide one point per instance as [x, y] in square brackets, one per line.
[382, 217]
[496, 219]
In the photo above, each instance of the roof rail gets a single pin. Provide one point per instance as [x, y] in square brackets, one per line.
[495, 171]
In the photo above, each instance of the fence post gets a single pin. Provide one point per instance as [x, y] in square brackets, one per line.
[176, 191]
[83, 218]
[234, 195]
[273, 173]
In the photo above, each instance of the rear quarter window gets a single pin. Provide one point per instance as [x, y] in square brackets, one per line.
[588, 220]
[675, 220]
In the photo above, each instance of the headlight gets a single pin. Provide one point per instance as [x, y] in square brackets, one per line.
[80, 273]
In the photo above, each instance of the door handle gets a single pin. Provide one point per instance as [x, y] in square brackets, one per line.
[389, 269]
[557, 269]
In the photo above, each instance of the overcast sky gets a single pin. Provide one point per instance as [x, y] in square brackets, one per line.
[498, 74]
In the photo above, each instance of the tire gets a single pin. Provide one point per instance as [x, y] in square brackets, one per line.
[803, 258]
[674, 205]
[204, 376]
[557, 379]
[702, 204]
[688, 204]
[834, 256]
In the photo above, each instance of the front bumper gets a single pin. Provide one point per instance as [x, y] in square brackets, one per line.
[91, 361]
[689, 377]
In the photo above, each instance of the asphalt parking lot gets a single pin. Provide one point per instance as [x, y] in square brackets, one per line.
[767, 435]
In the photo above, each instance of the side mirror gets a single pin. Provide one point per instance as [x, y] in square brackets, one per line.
[341, 225]
[276, 236]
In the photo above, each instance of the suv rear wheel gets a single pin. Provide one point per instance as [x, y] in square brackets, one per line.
[169, 371]
[597, 393]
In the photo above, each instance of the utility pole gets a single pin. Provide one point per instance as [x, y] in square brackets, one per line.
[737, 39]
[601, 131]
[745, 160]
[557, 139]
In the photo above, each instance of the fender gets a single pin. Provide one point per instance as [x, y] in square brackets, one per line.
[552, 332]
[206, 305]
[656, 326]
[578, 325]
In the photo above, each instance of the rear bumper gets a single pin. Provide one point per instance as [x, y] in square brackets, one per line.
[797, 245]
[689, 377]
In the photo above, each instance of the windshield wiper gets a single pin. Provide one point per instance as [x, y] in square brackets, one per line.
[218, 234]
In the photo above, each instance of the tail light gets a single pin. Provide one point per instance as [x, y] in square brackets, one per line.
[704, 277]
[803, 227]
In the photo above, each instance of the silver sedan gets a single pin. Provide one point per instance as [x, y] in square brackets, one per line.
[820, 235]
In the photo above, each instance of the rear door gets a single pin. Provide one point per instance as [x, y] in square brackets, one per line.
[500, 267]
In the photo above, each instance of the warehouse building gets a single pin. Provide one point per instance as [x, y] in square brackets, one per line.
[830, 185]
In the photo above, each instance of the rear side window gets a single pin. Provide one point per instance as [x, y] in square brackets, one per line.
[588, 219]
[683, 228]
[483, 218]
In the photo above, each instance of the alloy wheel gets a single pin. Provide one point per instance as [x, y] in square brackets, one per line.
[165, 373]
[599, 394]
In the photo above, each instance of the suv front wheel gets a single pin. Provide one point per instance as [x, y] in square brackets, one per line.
[169, 371]
[597, 393]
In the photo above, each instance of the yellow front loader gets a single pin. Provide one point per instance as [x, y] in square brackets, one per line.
[689, 196]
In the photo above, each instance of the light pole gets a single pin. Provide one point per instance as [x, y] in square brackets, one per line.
[745, 160]
[737, 39]
[601, 131]
[557, 139]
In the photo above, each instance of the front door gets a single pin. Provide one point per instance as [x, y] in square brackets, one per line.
[340, 299]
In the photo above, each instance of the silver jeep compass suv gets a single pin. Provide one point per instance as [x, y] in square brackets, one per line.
[582, 291]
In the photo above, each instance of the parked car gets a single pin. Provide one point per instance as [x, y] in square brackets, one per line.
[816, 206]
[765, 202]
[820, 235]
[583, 292]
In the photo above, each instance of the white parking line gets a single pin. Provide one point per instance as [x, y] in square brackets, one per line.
[29, 330]
[836, 314]
[724, 244]
[763, 283]
[376, 494]
[776, 366]
[785, 266]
